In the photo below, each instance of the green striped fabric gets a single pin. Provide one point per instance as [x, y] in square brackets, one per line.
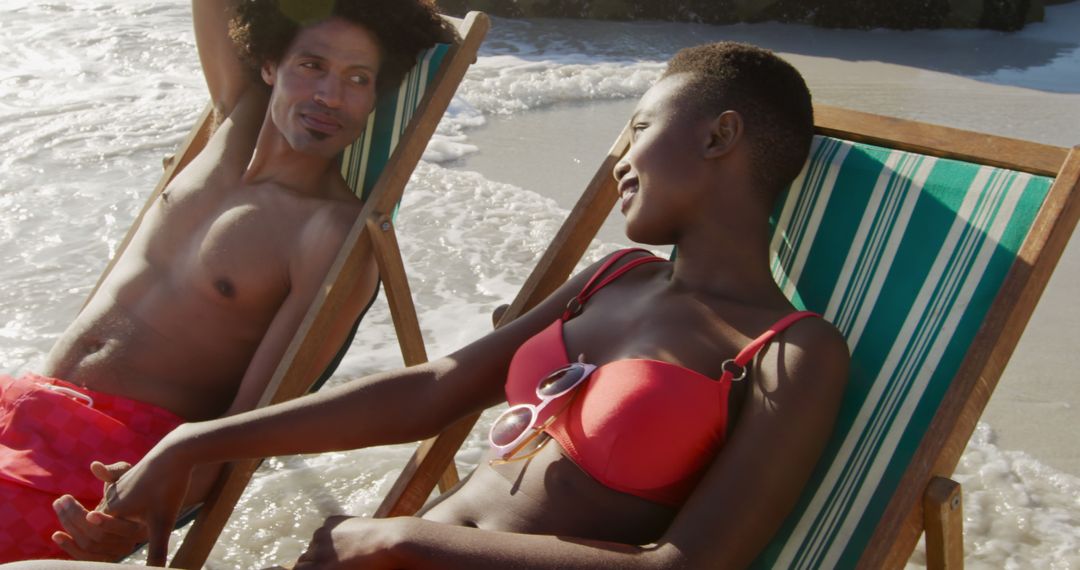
[363, 161]
[904, 253]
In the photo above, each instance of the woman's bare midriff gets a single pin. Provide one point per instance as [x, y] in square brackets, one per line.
[549, 494]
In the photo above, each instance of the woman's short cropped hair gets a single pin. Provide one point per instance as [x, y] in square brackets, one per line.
[766, 91]
[263, 29]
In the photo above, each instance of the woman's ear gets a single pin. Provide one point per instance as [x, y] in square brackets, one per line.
[268, 71]
[725, 132]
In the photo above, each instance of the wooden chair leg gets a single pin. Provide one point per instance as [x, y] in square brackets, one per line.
[392, 272]
[943, 519]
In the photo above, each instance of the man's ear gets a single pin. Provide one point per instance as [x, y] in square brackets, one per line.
[268, 71]
[725, 132]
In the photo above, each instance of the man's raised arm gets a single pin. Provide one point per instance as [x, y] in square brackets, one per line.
[227, 76]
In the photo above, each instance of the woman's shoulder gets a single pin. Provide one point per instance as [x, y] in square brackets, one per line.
[812, 348]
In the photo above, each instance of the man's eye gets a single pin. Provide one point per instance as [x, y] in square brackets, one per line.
[309, 65]
[360, 79]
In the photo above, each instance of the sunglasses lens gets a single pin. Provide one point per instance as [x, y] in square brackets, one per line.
[510, 425]
[512, 432]
[560, 381]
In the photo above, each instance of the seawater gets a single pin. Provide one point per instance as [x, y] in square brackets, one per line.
[93, 94]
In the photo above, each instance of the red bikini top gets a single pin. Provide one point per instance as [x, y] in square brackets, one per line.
[644, 427]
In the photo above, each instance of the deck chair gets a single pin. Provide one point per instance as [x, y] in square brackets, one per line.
[928, 247]
[377, 167]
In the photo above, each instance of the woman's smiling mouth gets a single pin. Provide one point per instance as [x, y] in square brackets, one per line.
[627, 189]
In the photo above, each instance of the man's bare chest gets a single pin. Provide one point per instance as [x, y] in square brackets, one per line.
[231, 245]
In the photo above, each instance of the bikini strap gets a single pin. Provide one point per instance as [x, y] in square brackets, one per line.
[735, 368]
[574, 306]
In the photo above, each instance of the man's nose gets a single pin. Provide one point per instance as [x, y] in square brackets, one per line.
[328, 92]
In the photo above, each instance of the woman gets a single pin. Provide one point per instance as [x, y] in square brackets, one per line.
[658, 448]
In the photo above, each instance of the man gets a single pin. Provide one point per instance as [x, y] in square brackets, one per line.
[200, 307]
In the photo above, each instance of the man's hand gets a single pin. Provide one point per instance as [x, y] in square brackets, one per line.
[93, 535]
[150, 493]
[351, 542]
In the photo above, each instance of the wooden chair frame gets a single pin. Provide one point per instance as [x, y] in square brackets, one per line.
[371, 235]
[926, 498]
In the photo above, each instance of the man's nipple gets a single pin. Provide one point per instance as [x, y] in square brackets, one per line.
[225, 287]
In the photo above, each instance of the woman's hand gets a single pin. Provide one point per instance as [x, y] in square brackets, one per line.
[353, 542]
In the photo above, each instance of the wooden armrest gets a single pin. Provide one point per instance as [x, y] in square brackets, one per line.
[943, 519]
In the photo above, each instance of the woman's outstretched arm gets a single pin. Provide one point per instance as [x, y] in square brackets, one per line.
[737, 507]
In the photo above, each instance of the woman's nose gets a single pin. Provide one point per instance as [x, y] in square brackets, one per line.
[621, 169]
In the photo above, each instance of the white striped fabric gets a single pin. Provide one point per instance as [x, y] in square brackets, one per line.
[818, 178]
[904, 253]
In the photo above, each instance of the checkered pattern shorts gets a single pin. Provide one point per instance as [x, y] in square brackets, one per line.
[50, 432]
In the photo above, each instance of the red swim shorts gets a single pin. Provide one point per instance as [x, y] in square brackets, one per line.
[50, 431]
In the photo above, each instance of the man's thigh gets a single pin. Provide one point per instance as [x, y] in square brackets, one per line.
[27, 522]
